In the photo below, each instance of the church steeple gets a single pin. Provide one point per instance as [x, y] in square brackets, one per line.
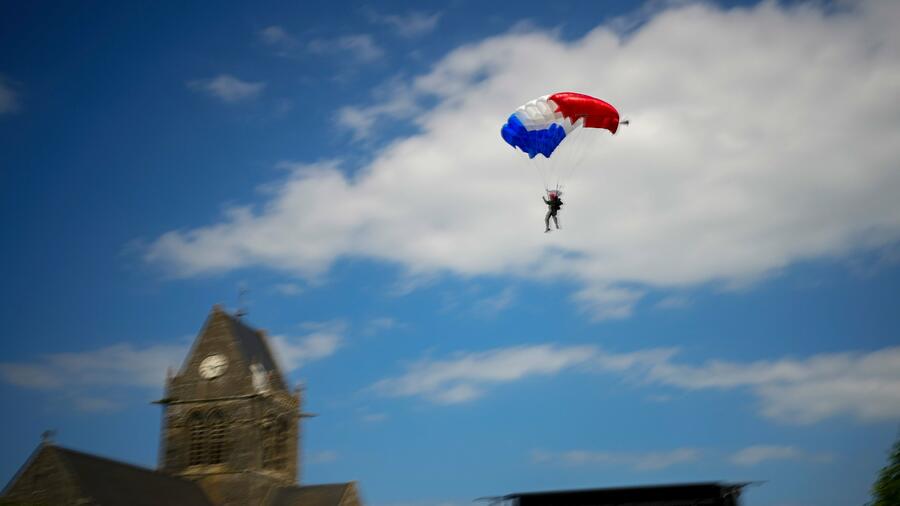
[228, 410]
[230, 437]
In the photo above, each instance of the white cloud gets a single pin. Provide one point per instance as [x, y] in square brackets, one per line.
[639, 461]
[9, 101]
[493, 304]
[276, 36]
[760, 137]
[864, 386]
[655, 460]
[754, 455]
[605, 302]
[674, 302]
[374, 417]
[362, 120]
[382, 324]
[359, 46]
[466, 376]
[94, 380]
[293, 352]
[95, 405]
[117, 365]
[288, 288]
[322, 457]
[408, 25]
[228, 88]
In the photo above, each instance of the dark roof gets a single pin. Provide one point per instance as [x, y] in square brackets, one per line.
[251, 343]
[111, 483]
[710, 493]
[310, 495]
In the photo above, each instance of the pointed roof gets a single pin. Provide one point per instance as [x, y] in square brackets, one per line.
[251, 342]
[111, 483]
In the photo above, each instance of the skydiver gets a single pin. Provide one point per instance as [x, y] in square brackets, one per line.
[553, 206]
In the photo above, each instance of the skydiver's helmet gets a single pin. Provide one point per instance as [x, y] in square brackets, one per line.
[553, 195]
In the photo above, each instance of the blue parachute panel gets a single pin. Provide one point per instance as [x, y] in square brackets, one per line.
[533, 142]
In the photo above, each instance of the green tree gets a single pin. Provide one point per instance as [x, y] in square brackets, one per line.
[886, 490]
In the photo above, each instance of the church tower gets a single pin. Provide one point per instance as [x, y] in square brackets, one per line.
[230, 437]
[230, 422]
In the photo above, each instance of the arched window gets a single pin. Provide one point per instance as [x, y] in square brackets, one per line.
[281, 439]
[197, 444]
[268, 442]
[216, 445]
[275, 436]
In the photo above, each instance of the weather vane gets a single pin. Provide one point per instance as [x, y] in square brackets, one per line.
[241, 309]
[47, 436]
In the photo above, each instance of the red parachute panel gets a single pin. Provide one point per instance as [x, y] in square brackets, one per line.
[596, 113]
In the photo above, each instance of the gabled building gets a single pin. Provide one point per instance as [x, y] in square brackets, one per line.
[55, 475]
[230, 437]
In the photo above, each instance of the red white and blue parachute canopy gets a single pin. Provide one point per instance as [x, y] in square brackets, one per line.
[539, 126]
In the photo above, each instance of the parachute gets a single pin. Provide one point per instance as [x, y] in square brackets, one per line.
[539, 127]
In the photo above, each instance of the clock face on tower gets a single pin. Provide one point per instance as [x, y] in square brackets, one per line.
[213, 366]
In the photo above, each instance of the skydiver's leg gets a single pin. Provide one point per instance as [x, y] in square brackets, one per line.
[547, 221]
[555, 221]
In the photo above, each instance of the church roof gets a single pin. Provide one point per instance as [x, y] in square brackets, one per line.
[312, 495]
[111, 483]
[251, 342]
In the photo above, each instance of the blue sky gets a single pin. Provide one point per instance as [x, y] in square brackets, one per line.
[720, 304]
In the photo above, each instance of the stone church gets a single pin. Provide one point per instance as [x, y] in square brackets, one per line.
[230, 436]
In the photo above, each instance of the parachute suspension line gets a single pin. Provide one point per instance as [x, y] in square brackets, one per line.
[578, 152]
[577, 156]
[572, 153]
[540, 170]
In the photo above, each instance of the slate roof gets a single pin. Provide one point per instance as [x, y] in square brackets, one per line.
[690, 493]
[110, 483]
[310, 495]
[251, 343]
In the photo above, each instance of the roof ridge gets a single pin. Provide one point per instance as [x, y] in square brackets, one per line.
[79, 453]
[233, 317]
[348, 489]
[237, 320]
[252, 343]
[67, 467]
[109, 481]
[31, 458]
